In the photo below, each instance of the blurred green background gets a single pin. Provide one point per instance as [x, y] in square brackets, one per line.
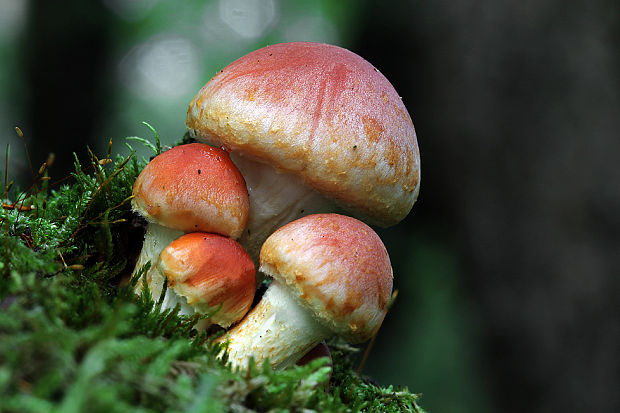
[508, 266]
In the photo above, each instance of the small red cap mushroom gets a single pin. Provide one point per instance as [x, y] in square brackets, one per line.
[318, 351]
[193, 187]
[208, 270]
[188, 188]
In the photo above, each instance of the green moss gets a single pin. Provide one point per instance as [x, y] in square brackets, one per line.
[73, 337]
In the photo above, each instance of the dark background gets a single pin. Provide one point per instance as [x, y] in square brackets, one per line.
[508, 266]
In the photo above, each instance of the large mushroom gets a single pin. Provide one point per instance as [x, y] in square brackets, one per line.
[208, 273]
[188, 188]
[331, 275]
[311, 125]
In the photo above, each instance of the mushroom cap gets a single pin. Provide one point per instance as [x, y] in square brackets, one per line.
[320, 112]
[320, 350]
[193, 187]
[209, 270]
[337, 267]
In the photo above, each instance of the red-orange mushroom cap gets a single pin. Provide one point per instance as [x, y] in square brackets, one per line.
[188, 188]
[335, 265]
[207, 271]
[331, 276]
[193, 187]
[321, 114]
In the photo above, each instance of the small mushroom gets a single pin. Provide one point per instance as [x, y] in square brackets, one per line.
[310, 126]
[331, 276]
[188, 188]
[205, 271]
[320, 350]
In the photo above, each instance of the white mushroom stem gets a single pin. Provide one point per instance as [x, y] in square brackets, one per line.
[157, 238]
[278, 328]
[275, 200]
[172, 299]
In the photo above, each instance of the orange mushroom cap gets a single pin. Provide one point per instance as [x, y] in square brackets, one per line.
[193, 187]
[337, 267]
[322, 113]
[209, 270]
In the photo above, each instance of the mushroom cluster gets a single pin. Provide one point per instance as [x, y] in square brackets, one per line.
[307, 133]
[195, 189]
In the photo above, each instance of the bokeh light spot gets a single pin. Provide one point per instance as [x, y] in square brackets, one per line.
[12, 15]
[164, 67]
[248, 18]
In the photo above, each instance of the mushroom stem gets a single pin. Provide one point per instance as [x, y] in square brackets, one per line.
[171, 299]
[276, 198]
[278, 329]
[157, 238]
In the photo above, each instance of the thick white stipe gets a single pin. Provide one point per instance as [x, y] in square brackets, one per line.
[278, 329]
